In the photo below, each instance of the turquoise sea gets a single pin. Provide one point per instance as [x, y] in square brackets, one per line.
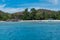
[29, 31]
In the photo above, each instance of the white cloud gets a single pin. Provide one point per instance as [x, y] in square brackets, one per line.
[55, 2]
[10, 10]
[2, 5]
[13, 10]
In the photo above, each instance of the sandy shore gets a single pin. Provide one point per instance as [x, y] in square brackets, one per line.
[40, 21]
[34, 21]
[2, 21]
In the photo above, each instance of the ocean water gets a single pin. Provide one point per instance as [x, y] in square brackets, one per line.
[29, 31]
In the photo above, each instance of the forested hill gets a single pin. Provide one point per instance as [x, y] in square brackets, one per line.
[33, 14]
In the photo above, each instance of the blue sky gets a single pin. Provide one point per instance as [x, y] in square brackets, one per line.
[12, 6]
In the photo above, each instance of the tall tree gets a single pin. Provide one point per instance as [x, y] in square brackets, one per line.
[58, 15]
[26, 14]
[33, 13]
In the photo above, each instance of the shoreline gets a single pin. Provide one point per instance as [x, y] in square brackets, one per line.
[33, 21]
[39, 21]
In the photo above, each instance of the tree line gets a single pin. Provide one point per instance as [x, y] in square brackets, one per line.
[33, 14]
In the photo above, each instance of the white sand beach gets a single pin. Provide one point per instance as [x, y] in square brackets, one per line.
[34, 21]
[39, 21]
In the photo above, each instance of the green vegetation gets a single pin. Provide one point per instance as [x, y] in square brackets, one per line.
[33, 14]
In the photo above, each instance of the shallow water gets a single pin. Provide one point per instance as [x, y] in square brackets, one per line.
[29, 31]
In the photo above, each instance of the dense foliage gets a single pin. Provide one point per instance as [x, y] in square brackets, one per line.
[33, 14]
